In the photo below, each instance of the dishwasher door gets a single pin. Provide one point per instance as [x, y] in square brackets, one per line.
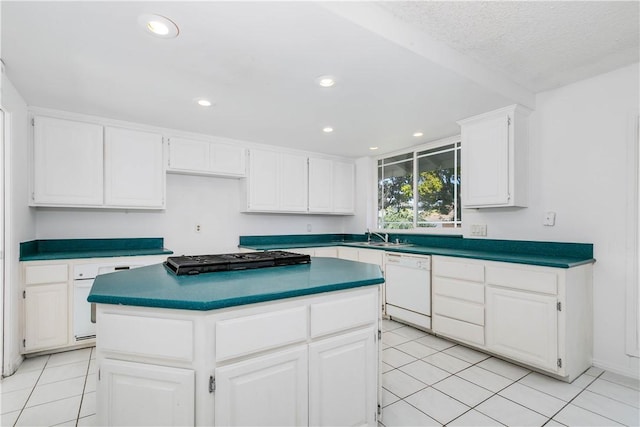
[408, 284]
[83, 328]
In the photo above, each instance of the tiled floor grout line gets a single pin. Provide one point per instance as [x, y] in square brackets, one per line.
[549, 418]
[32, 390]
[84, 387]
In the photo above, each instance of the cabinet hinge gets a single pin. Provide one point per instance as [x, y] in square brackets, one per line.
[559, 306]
[508, 120]
[33, 121]
[98, 374]
[379, 409]
[24, 343]
[24, 294]
[212, 384]
[559, 363]
[379, 334]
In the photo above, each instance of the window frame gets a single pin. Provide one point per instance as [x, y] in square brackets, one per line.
[414, 150]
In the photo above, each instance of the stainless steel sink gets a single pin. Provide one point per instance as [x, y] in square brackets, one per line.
[382, 244]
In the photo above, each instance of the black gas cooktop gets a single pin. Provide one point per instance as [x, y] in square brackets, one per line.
[196, 264]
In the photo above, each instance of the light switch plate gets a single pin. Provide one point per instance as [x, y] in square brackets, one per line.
[479, 230]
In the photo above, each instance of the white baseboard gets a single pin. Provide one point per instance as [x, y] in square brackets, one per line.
[627, 371]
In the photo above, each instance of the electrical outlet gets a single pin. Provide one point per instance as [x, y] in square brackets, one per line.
[198, 228]
[549, 219]
[479, 230]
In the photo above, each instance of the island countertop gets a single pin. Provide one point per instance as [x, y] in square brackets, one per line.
[156, 286]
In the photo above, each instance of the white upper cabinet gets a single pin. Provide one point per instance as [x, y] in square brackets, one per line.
[320, 185]
[89, 165]
[190, 156]
[331, 186]
[277, 182]
[134, 173]
[68, 163]
[494, 158]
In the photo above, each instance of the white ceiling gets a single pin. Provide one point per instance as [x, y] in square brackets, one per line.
[401, 67]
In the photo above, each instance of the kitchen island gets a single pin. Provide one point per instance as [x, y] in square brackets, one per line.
[291, 345]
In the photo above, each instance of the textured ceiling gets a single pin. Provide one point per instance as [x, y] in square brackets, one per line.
[401, 67]
[539, 44]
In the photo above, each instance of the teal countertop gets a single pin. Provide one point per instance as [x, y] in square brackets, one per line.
[155, 286]
[547, 254]
[39, 250]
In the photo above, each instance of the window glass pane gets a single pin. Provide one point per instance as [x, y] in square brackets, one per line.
[399, 158]
[395, 195]
[438, 189]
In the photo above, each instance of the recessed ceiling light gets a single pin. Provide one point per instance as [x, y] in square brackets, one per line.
[326, 81]
[159, 26]
[204, 102]
[373, 148]
[327, 129]
[418, 134]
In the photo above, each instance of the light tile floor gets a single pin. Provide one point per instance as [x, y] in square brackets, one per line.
[427, 381]
[430, 381]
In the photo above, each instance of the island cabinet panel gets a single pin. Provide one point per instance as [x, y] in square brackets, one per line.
[267, 331]
[269, 390]
[343, 369]
[308, 360]
[134, 394]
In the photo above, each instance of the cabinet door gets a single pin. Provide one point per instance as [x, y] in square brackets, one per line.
[228, 160]
[371, 256]
[343, 187]
[46, 316]
[134, 169]
[523, 326]
[485, 161]
[320, 185]
[348, 253]
[270, 390]
[188, 155]
[343, 369]
[263, 186]
[67, 162]
[293, 183]
[135, 394]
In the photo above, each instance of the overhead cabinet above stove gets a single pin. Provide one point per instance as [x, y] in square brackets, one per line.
[295, 183]
[87, 164]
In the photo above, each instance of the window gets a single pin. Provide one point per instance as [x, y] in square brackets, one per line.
[420, 189]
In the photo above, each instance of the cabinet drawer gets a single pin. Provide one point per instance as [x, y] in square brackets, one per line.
[543, 281]
[468, 291]
[250, 334]
[458, 329]
[334, 316]
[461, 310]
[37, 274]
[170, 339]
[458, 269]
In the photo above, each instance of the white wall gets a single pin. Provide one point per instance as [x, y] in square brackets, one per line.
[580, 135]
[214, 203]
[19, 218]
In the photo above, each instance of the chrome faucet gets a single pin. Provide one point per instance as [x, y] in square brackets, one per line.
[384, 238]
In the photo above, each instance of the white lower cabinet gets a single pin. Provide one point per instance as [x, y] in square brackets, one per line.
[534, 315]
[300, 361]
[46, 316]
[343, 369]
[523, 326]
[144, 394]
[269, 390]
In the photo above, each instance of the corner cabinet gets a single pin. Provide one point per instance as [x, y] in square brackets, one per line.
[494, 158]
[197, 157]
[89, 165]
[538, 316]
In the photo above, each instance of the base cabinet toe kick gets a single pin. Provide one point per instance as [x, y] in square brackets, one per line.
[309, 360]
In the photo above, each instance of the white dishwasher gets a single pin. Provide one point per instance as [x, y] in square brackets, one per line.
[408, 288]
